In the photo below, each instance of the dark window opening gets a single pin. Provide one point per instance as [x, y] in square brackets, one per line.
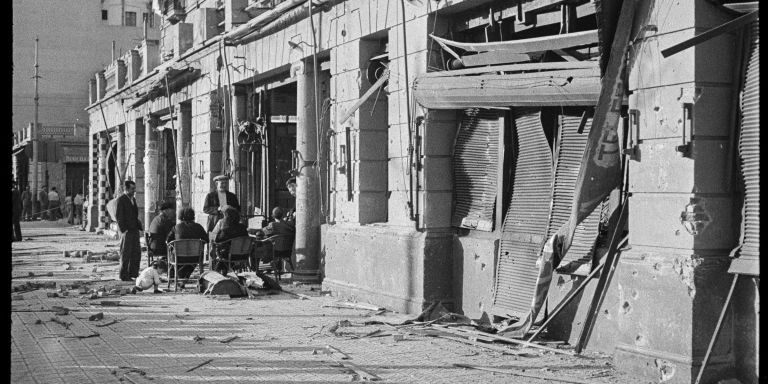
[148, 19]
[104, 15]
[130, 19]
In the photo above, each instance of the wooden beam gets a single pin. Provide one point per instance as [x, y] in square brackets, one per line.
[536, 44]
[494, 58]
[712, 33]
[365, 97]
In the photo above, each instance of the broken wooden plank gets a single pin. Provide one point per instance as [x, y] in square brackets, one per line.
[380, 82]
[520, 342]
[366, 306]
[478, 344]
[535, 44]
[494, 58]
[524, 374]
[331, 349]
[200, 365]
[228, 339]
[525, 67]
[712, 33]
[363, 374]
[113, 321]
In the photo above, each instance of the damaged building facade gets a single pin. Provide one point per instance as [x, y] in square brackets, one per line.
[438, 146]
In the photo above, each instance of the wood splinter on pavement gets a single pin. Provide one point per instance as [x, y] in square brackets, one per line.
[200, 365]
[229, 339]
[332, 349]
[113, 321]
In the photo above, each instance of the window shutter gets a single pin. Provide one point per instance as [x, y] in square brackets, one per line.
[475, 165]
[568, 159]
[748, 261]
[526, 221]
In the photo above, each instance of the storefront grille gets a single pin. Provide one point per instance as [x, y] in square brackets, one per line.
[526, 221]
[475, 166]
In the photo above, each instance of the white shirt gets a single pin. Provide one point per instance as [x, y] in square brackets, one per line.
[53, 195]
[148, 277]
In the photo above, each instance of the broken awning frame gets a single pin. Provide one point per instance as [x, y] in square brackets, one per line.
[519, 85]
[176, 78]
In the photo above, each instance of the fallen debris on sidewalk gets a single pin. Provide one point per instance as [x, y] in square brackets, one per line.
[96, 317]
[113, 321]
[200, 365]
[524, 374]
[229, 339]
[347, 304]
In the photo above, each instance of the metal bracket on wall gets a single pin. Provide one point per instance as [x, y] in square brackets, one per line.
[686, 149]
[633, 150]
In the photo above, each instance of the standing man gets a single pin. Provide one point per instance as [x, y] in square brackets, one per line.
[290, 216]
[78, 205]
[53, 204]
[128, 223]
[42, 199]
[216, 200]
[26, 199]
[70, 212]
[16, 212]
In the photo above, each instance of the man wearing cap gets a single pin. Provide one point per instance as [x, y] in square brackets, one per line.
[217, 200]
[128, 223]
[160, 228]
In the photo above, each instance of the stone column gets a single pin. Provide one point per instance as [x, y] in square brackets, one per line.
[120, 158]
[138, 161]
[101, 204]
[307, 191]
[150, 169]
[239, 176]
[183, 153]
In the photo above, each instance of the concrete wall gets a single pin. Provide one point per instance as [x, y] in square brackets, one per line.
[665, 297]
[73, 45]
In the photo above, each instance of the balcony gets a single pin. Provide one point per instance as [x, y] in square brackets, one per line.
[173, 10]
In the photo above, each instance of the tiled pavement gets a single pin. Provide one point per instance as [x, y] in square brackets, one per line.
[281, 339]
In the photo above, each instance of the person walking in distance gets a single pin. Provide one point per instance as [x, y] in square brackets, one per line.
[16, 212]
[42, 200]
[68, 208]
[26, 200]
[128, 223]
[77, 203]
[54, 210]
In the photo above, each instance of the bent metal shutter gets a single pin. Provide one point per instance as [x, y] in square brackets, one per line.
[475, 164]
[525, 224]
[569, 153]
[748, 261]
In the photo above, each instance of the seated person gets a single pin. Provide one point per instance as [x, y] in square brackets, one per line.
[285, 230]
[226, 229]
[160, 227]
[186, 229]
[150, 277]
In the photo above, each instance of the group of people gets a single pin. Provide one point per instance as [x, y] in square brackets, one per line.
[223, 223]
[49, 205]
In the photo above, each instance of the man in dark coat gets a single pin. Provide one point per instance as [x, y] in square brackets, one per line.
[160, 227]
[216, 201]
[128, 223]
[16, 212]
[42, 201]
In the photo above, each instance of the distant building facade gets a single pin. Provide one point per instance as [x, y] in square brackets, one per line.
[74, 41]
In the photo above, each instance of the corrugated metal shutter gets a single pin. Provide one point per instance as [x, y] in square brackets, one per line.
[749, 152]
[526, 221]
[475, 165]
[570, 152]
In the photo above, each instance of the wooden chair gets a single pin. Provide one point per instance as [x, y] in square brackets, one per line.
[150, 254]
[240, 249]
[278, 263]
[184, 252]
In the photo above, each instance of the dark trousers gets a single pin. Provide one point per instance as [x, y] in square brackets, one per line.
[26, 213]
[55, 210]
[16, 229]
[130, 254]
